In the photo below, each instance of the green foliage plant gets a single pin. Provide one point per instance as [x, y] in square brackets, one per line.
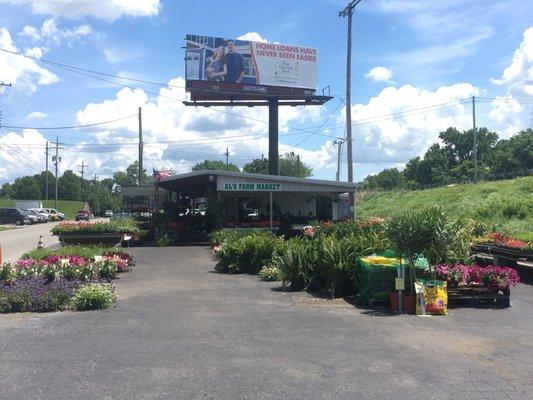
[269, 274]
[94, 296]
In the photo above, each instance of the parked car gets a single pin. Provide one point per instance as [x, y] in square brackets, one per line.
[83, 215]
[54, 214]
[43, 213]
[13, 216]
[108, 213]
[32, 218]
[40, 217]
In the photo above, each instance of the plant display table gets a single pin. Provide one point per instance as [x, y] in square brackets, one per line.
[473, 296]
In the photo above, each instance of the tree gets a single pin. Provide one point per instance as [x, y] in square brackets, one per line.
[216, 165]
[459, 146]
[513, 154]
[26, 188]
[69, 186]
[131, 176]
[388, 179]
[289, 165]
[256, 166]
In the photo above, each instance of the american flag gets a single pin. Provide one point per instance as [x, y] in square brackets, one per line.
[160, 174]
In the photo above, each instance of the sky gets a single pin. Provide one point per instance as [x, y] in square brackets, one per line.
[416, 65]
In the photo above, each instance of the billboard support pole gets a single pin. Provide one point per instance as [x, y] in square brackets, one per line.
[273, 154]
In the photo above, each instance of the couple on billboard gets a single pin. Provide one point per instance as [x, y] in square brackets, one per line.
[225, 65]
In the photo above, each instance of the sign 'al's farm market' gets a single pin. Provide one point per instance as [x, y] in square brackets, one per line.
[253, 187]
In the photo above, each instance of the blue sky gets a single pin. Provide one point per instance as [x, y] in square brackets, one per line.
[407, 55]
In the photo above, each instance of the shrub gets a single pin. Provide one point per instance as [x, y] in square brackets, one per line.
[294, 261]
[36, 294]
[94, 296]
[162, 241]
[248, 253]
[269, 274]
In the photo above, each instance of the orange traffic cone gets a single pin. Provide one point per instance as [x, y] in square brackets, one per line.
[40, 245]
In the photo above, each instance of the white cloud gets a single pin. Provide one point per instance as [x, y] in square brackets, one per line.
[37, 115]
[252, 36]
[384, 134]
[50, 33]
[78, 9]
[379, 74]
[112, 56]
[16, 158]
[510, 111]
[194, 133]
[22, 72]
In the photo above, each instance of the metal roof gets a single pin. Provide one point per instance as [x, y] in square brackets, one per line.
[197, 179]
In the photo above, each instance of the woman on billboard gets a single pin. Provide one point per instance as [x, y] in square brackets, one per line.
[216, 69]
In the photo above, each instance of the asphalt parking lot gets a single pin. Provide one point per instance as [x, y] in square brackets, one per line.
[180, 331]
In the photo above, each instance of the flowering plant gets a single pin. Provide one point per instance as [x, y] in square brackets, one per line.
[495, 278]
[309, 231]
[503, 240]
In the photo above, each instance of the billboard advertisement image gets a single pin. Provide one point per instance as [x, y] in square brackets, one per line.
[241, 64]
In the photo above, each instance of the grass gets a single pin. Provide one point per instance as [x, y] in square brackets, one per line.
[505, 205]
[5, 228]
[67, 207]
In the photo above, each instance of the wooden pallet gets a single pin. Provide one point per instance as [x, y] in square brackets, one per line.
[477, 297]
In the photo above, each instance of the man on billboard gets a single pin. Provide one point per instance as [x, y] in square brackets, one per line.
[234, 64]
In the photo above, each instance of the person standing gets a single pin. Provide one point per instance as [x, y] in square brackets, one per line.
[234, 64]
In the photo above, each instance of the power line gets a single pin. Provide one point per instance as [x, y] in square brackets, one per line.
[68, 127]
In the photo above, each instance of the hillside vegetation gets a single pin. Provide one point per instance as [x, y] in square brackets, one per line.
[67, 207]
[503, 205]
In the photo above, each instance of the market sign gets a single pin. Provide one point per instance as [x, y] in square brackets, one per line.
[253, 187]
[244, 66]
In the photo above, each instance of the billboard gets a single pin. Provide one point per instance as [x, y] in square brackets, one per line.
[247, 66]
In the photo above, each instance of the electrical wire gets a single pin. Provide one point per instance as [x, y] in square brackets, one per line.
[67, 127]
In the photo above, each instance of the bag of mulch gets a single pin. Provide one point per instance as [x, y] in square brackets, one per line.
[431, 298]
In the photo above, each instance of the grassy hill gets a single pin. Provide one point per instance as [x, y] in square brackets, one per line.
[506, 205]
[67, 207]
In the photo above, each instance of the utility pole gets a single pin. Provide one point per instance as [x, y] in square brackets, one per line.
[475, 136]
[94, 180]
[56, 159]
[227, 159]
[298, 166]
[82, 172]
[339, 142]
[46, 176]
[348, 11]
[141, 171]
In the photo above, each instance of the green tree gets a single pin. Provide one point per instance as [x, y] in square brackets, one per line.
[256, 166]
[6, 191]
[513, 154]
[388, 179]
[215, 165]
[289, 165]
[69, 186]
[26, 188]
[131, 176]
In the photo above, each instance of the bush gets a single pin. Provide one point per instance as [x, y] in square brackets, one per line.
[248, 253]
[36, 294]
[94, 296]
[269, 274]
[162, 241]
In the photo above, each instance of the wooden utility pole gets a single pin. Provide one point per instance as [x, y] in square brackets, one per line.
[56, 160]
[46, 176]
[82, 172]
[141, 171]
[474, 151]
[348, 11]
[227, 159]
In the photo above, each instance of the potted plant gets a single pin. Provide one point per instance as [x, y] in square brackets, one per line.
[419, 232]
